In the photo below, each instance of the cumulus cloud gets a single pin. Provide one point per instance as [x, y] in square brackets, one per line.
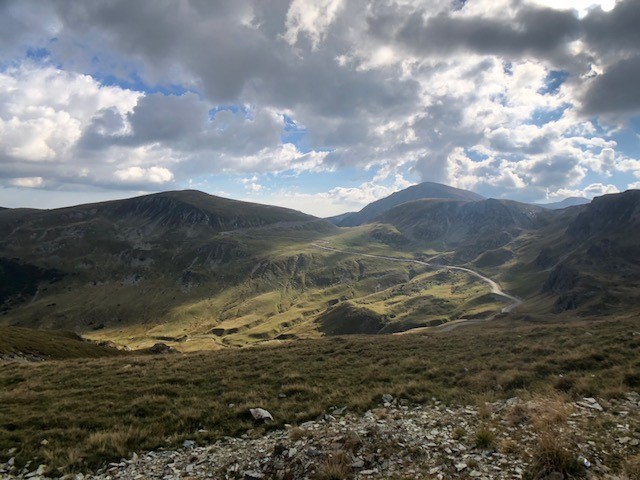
[590, 191]
[509, 98]
[27, 182]
[337, 200]
[311, 18]
[144, 175]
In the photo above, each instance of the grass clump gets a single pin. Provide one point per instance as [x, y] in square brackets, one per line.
[297, 433]
[485, 438]
[554, 454]
[458, 433]
[554, 451]
[336, 466]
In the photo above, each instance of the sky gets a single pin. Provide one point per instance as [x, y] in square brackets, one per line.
[318, 105]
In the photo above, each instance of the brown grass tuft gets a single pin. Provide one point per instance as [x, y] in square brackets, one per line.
[297, 433]
[336, 466]
[485, 438]
[554, 451]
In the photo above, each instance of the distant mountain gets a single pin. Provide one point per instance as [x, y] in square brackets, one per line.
[337, 219]
[567, 202]
[469, 228]
[161, 211]
[415, 192]
[131, 261]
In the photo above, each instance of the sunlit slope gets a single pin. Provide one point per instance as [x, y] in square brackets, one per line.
[182, 269]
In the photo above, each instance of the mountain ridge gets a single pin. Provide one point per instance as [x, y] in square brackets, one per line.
[414, 192]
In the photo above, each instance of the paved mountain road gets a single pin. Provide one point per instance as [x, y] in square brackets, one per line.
[495, 288]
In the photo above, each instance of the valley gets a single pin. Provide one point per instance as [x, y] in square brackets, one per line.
[125, 325]
[198, 272]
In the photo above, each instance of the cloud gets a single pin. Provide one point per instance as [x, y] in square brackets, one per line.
[512, 98]
[27, 182]
[139, 175]
[590, 191]
[615, 91]
[311, 18]
[532, 30]
[337, 200]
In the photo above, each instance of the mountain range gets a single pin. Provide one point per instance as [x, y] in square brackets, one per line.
[188, 265]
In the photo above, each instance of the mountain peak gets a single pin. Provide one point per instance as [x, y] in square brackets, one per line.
[415, 192]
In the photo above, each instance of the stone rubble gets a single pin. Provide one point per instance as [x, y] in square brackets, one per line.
[433, 441]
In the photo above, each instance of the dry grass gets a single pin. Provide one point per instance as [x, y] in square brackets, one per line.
[555, 450]
[297, 433]
[632, 467]
[508, 446]
[336, 466]
[458, 433]
[96, 410]
[351, 442]
[554, 453]
[484, 438]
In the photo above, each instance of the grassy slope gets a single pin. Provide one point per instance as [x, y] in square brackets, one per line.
[95, 410]
[50, 345]
[279, 288]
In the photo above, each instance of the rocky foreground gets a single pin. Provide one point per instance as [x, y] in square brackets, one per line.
[511, 439]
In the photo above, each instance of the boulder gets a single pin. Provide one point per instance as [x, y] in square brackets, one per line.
[261, 415]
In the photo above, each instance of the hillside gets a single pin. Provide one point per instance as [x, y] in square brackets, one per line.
[96, 411]
[467, 228]
[136, 261]
[415, 192]
[37, 345]
[201, 272]
[594, 265]
[567, 202]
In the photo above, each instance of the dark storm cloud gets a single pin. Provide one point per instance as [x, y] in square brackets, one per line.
[615, 91]
[167, 117]
[616, 32]
[534, 30]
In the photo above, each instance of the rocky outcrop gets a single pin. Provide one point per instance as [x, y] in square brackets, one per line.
[561, 279]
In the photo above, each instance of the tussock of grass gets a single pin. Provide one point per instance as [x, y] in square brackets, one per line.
[485, 438]
[555, 450]
[336, 466]
[94, 410]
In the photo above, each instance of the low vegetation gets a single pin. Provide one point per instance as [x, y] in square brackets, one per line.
[77, 414]
[29, 344]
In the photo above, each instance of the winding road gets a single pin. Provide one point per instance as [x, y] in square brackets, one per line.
[495, 288]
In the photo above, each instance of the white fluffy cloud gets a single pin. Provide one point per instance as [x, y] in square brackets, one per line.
[27, 182]
[144, 175]
[522, 99]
